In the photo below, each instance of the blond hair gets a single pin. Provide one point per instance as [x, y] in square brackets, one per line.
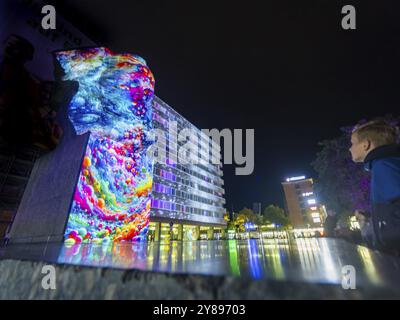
[378, 132]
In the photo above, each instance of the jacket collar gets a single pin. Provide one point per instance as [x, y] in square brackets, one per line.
[390, 150]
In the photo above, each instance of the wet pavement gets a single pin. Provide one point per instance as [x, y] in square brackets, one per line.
[312, 260]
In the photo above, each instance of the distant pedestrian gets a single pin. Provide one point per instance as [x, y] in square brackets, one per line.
[364, 220]
[330, 223]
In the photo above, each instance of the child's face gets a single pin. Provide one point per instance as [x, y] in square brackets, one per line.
[359, 149]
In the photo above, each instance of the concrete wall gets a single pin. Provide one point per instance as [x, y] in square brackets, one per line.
[44, 209]
[23, 280]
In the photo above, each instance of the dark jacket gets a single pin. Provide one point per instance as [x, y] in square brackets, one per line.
[384, 165]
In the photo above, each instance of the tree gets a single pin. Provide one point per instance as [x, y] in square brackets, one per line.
[226, 217]
[230, 225]
[276, 215]
[342, 185]
[239, 221]
[261, 220]
[248, 214]
[243, 216]
[246, 211]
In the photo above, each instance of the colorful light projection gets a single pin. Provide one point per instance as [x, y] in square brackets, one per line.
[112, 197]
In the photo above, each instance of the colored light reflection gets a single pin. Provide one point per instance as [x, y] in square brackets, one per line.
[272, 251]
[369, 266]
[233, 258]
[309, 260]
[113, 103]
[254, 259]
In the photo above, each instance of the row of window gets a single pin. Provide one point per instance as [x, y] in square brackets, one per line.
[163, 114]
[189, 189]
[161, 123]
[218, 172]
[172, 177]
[202, 152]
[161, 204]
[214, 180]
[161, 188]
[188, 203]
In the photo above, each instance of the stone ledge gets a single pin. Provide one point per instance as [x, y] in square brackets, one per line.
[22, 280]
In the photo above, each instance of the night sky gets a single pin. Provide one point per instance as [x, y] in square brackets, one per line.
[285, 68]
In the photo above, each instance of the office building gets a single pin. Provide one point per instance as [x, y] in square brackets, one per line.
[301, 203]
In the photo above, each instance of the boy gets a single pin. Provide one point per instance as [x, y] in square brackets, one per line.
[375, 144]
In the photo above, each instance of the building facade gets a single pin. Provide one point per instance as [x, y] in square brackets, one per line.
[187, 199]
[301, 203]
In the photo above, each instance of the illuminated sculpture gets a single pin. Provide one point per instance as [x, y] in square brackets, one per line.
[113, 103]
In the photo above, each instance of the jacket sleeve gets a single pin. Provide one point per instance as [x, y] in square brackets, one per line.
[385, 186]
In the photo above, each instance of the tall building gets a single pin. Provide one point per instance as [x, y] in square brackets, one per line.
[187, 199]
[301, 203]
[257, 207]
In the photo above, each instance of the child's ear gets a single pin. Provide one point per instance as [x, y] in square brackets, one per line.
[367, 144]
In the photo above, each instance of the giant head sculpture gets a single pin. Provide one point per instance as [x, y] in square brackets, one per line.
[113, 104]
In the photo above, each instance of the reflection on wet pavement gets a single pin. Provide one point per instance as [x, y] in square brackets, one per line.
[305, 260]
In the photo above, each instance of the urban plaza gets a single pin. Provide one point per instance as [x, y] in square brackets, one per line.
[108, 192]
